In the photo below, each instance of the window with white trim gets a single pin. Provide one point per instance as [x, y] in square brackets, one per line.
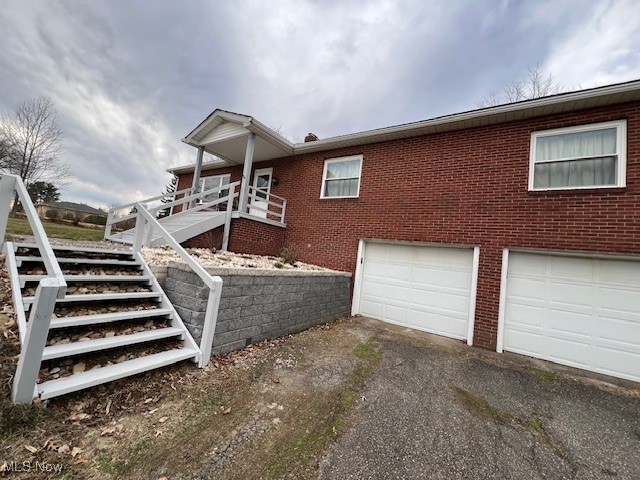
[589, 156]
[207, 183]
[341, 177]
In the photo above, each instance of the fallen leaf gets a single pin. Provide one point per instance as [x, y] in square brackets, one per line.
[148, 400]
[158, 433]
[276, 421]
[108, 431]
[78, 416]
[76, 451]
[163, 419]
[152, 411]
[227, 411]
[30, 448]
[79, 461]
[4, 467]
[64, 449]
[108, 407]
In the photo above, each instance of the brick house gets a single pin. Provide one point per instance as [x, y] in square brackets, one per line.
[513, 228]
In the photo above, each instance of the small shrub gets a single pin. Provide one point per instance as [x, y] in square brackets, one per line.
[68, 216]
[96, 220]
[53, 215]
[278, 265]
[77, 218]
[288, 255]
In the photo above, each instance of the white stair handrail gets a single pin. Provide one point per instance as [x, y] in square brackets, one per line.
[49, 289]
[214, 283]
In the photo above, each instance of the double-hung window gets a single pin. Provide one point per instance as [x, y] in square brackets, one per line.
[589, 156]
[341, 177]
[207, 183]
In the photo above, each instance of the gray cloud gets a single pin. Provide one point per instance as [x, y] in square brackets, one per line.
[130, 79]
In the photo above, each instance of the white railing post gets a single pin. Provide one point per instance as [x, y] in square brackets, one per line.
[24, 383]
[139, 231]
[210, 320]
[107, 227]
[246, 173]
[284, 207]
[227, 219]
[7, 187]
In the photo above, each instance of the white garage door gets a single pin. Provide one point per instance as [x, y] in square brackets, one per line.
[423, 287]
[580, 312]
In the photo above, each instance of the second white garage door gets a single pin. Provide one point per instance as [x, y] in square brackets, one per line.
[582, 312]
[423, 287]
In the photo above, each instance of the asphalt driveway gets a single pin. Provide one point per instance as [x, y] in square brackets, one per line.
[435, 408]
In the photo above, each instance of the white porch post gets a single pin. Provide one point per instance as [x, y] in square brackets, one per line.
[246, 173]
[196, 174]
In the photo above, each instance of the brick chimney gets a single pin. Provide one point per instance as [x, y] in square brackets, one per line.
[311, 137]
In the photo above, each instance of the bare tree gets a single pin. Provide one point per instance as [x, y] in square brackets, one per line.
[33, 143]
[536, 85]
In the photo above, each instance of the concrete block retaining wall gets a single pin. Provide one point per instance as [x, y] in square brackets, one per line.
[257, 304]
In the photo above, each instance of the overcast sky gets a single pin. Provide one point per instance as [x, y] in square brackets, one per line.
[131, 78]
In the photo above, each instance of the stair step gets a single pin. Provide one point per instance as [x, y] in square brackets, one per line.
[85, 320]
[63, 248]
[100, 297]
[88, 278]
[77, 348]
[62, 386]
[88, 261]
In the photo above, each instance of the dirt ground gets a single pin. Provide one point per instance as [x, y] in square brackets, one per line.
[268, 411]
[354, 399]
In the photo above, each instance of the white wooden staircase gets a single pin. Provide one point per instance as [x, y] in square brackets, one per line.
[182, 227]
[115, 320]
[89, 316]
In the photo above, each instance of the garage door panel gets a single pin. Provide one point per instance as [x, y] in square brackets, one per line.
[419, 286]
[425, 298]
[375, 269]
[619, 273]
[525, 342]
[582, 312]
[395, 314]
[529, 288]
[426, 276]
[568, 322]
[618, 330]
[619, 363]
[373, 288]
[455, 303]
[399, 272]
[456, 279]
[527, 315]
[371, 308]
[620, 300]
[570, 268]
[573, 294]
[569, 352]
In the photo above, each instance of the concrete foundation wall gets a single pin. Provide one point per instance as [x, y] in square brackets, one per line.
[257, 304]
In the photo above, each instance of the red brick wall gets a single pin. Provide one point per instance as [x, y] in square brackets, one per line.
[250, 236]
[465, 187]
[212, 238]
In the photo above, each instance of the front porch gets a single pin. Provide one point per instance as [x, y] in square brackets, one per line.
[214, 201]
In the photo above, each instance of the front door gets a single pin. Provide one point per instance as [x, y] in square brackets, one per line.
[261, 189]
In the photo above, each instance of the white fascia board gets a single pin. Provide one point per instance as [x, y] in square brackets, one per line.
[269, 135]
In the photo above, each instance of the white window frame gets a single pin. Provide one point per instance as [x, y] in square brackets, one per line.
[202, 180]
[338, 160]
[621, 144]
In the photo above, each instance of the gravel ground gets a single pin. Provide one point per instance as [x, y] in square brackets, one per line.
[162, 256]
